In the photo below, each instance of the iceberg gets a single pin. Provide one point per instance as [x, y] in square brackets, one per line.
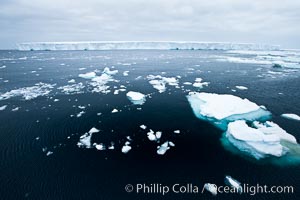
[72, 89]
[220, 109]
[260, 141]
[160, 45]
[136, 98]
[291, 116]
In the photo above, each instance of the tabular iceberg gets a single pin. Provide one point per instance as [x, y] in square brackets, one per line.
[118, 45]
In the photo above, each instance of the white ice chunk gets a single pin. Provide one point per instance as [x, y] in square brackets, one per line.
[3, 107]
[212, 188]
[241, 87]
[93, 130]
[143, 126]
[234, 183]
[162, 149]
[109, 72]
[136, 98]
[291, 116]
[88, 75]
[114, 111]
[126, 149]
[216, 107]
[260, 141]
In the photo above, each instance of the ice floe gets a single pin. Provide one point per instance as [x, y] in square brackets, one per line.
[222, 108]
[261, 140]
[291, 116]
[143, 126]
[199, 84]
[136, 98]
[162, 149]
[28, 93]
[88, 75]
[159, 82]
[114, 111]
[85, 139]
[3, 107]
[241, 87]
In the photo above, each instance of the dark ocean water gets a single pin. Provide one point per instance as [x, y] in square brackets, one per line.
[79, 173]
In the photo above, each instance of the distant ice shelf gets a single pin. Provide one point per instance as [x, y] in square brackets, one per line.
[131, 45]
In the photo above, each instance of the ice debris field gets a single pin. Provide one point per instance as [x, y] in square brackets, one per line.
[247, 127]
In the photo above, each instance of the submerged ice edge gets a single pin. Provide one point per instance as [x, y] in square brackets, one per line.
[245, 126]
[157, 45]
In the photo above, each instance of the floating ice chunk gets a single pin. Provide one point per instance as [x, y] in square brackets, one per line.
[80, 114]
[177, 131]
[28, 93]
[241, 87]
[222, 108]
[212, 188]
[3, 66]
[114, 111]
[109, 72]
[188, 83]
[93, 130]
[15, 109]
[49, 153]
[56, 100]
[171, 81]
[85, 139]
[136, 98]
[126, 148]
[233, 183]
[71, 81]
[199, 84]
[151, 136]
[82, 68]
[3, 107]
[261, 141]
[291, 116]
[143, 126]
[171, 144]
[100, 147]
[72, 89]
[158, 135]
[88, 75]
[159, 85]
[125, 73]
[162, 149]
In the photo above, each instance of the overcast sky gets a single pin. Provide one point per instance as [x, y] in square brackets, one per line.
[259, 21]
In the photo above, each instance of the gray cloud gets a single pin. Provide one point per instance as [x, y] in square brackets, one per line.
[268, 21]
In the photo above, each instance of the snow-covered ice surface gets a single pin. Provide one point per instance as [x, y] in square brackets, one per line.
[136, 98]
[223, 108]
